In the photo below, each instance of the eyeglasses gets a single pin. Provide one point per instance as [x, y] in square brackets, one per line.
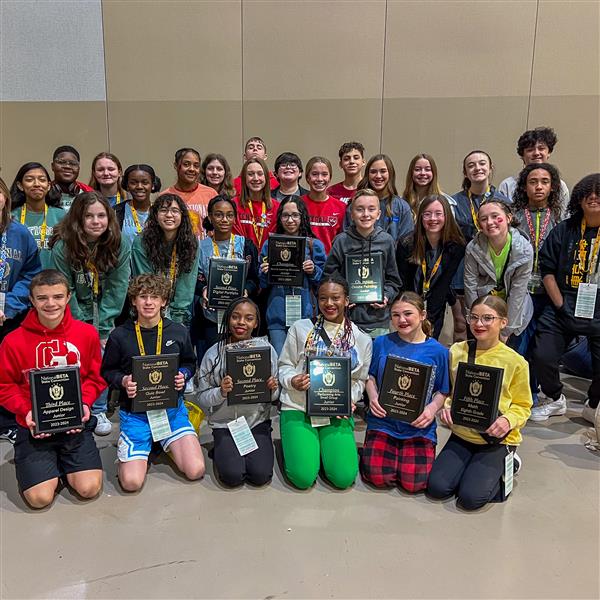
[219, 216]
[427, 216]
[166, 211]
[290, 216]
[485, 320]
[62, 162]
[289, 166]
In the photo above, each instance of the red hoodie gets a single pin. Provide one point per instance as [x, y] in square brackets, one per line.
[33, 346]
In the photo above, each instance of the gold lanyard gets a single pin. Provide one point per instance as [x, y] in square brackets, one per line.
[537, 235]
[472, 206]
[40, 242]
[136, 219]
[593, 257]
[95, 281]
[263, 219]
[436, 266]
[140, 341]
[173, 266]
[231, 247]
[118, 198]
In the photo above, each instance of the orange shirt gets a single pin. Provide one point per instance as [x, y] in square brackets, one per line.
[197, 202]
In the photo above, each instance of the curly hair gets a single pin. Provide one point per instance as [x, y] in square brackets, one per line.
[305, 228]
[157, 249]
[415, 300]
[149, 283]
[17, 195]
[531, 137]
[520, 198]
[588, 186]
[349, 146]
[226, 188]
[390, 189]
[104, 254]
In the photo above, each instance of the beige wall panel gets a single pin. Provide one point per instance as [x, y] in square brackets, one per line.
[467, 48]
[449, 128]
[151, 132]
[173, 50]
[567, 49]
[313, 49]
[576, 120]
[30, 131]
[313, 128]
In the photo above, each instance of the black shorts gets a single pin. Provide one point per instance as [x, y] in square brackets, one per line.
[37, 461]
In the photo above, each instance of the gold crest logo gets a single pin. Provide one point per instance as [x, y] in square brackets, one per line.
[363, 272]
[475, 388]
[328, 378]
[226, 278]
[56, 391]
[286, 254]
[155, 377]
[249, 369]
[404, 382]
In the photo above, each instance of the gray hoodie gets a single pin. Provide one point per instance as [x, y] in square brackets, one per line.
[351, 242]
[480, 277]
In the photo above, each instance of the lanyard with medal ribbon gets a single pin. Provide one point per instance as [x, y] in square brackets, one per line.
[537, 236]
[436, 266]
[136, 219]
[472, 205]
[118, 198]
[216, 251]
[140, 341]
[43, 228]
[95, 293]
[259, 233]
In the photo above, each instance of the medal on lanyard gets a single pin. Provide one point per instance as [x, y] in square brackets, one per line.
[535, 281]
[40, 242]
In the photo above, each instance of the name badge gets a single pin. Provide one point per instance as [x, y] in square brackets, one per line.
[220, 315]
[242, 436]
[159, 424]
[586, 300]
[508, 476]
[293, 309]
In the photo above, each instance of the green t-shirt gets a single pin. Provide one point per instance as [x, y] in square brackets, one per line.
[499, 261]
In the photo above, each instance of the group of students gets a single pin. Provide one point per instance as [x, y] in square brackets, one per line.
[516, 268]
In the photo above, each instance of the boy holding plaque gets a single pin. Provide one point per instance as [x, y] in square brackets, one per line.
[365, 256]
[400, 445]
[50, 337]
[309, 442]
[243, 449]
[477, 466]
[151, 334]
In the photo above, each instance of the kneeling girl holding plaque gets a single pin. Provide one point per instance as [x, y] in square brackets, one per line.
[491, 401]
[149, 359]
[322, 370]
[237, 383]
[408, 383]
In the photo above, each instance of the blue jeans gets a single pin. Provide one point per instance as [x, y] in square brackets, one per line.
[277, 337]
[101, 404]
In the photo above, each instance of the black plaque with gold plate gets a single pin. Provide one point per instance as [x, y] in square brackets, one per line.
[329, 394]
[286, 256]
[56, 399]
[154, 375]
[226, 281]
[364, 274]
[250, 368]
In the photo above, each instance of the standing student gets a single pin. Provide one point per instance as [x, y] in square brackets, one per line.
[365, 238]
[215, 172]
[255, 147]
[398, 453]
[256, 210]
[222, 212]
[428, 260]
[535, 147]
[168, 246]
[422, 181]
[240, 321]
[36, 206]
[292, 219]
[65, 166]
[19, 263]
[50, 337]
[88, 249]
[141, 182]
[380, 176]
[471, 465]
[106, 178]
[569, 265]
[288, 170]
[307, 444]
[352, 163]
[498, 261]
[326, 213]
[195, 195]
[150, 332]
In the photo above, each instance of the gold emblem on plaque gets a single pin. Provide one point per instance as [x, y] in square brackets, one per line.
[404, 382]
[475, 388]
[328, 378]
[249, 369]
[155, 377]
[56, 391]
[286, 254]
[226, 278]
[363, 272]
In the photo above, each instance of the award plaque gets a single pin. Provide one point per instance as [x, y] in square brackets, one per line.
[405, 388]
[476, 395]
[286, 255]
[365, 278]
[249, 368]
[226, 281]
[330, 387]
[56, 399]
[155, 378]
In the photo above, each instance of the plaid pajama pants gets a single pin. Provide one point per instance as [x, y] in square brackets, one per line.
[387, 461]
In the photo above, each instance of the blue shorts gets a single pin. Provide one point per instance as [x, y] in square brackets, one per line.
[135, 441]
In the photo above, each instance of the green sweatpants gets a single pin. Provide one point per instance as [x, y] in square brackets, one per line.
[305, 447]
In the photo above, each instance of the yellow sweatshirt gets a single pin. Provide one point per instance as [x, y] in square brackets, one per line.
[515, 397]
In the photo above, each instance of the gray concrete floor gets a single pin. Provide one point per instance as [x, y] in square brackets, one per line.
[177, 539]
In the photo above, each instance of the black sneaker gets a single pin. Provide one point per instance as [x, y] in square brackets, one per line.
[10, 435]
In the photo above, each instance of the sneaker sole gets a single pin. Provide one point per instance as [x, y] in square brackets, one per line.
[540, 419]
[102, 433]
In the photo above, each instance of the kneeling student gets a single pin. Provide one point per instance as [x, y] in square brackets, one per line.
[50, 337]
[150, 333]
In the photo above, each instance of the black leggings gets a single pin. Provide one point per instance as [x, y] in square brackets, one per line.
[255, 468]
[471, 471]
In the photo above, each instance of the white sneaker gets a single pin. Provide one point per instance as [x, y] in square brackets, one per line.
[517, 463]
[103, 426]
[589, 413]
[550, 409]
